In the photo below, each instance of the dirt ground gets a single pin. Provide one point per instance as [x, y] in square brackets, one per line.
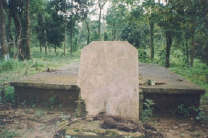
[28, 122]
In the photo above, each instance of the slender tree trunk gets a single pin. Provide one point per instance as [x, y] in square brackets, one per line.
[46, 48]
[65, 41]
[71, 40]
[40, 48]
[88, 32]
[113, 32]
[3, 40]
[27, 54]
[192, 51]
[168, 48]
[55, 49]
[11, 44]
[187, 52]
[45, 43]
[99, 23]
[65, 35]
[18, 28]
[152, 40]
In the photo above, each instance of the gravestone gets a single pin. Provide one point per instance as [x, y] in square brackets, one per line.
[108, 78]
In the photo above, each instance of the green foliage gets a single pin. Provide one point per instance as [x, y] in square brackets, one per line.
[8, 65]
[13, 70]
[8, 134]
[55, 28]
[52, 100]
[143, 55]
[202, 117]
[192, 111]
[187, 111]
[147, 112]
[197, 74]
[135, 34]
[9, 94]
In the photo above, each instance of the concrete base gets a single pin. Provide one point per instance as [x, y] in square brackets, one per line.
[47, 97]
[169, 103]
[167, 89]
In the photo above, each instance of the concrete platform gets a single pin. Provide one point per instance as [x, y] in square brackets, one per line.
[168, 90]
[165, 88]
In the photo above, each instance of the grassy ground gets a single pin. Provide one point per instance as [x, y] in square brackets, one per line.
[13, 70]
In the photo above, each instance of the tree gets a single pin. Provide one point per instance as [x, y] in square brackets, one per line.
[55, 28]
[40, 13]
[88, 30]
[3, 41]
[27, 30]
[101, 4]
[169, 21]
[116, 19]
[15, 11]
[72, 11]
[151, 16]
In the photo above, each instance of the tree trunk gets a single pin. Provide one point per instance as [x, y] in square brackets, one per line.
[152, 40]
[27, 54]
[55, 49]
[65, 37]
[24, 49]
[99, 23]
[3, 40]
[88, 32]
[40, 48]
[168, 48]
[192, 51]
[11, 44]
[71, 41]
[46, 49]
[65, 43]
[187, 52]
[18, 28]
[114, 32]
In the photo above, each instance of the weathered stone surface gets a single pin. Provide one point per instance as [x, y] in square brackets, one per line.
[108, 78]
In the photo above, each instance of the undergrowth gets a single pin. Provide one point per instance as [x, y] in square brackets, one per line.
[8, 134]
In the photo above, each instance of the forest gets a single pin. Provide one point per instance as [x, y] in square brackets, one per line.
[36, 35]
[160, 29]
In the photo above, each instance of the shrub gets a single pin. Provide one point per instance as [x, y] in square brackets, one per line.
[9, 96]
[147, 113]
[7, 134]
[8, 65]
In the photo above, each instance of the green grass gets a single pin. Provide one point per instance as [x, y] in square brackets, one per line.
[13, 69]
[8, 134]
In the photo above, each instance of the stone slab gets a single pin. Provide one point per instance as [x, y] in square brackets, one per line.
[166, 81]
[171, 82]
[108, 79]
